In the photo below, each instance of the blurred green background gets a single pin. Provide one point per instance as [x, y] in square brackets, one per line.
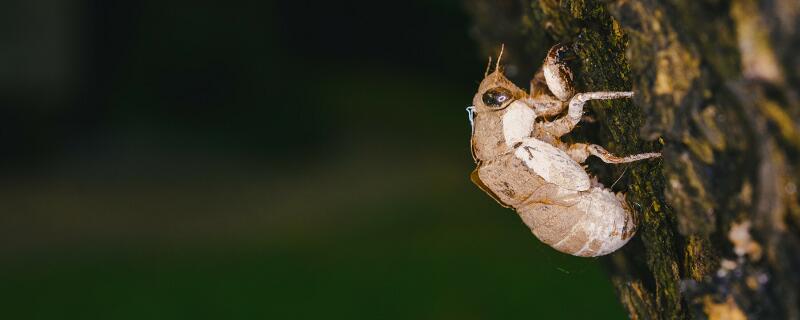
[237, 160]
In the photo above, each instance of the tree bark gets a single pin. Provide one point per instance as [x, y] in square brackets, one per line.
[716, 86]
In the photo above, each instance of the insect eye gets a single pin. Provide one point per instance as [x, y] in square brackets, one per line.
[496, 97]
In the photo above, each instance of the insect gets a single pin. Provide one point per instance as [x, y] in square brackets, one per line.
[522, 163]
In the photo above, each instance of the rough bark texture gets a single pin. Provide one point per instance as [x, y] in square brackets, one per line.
[716, 86]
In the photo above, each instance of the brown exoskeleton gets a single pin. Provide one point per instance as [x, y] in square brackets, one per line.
[523, 164]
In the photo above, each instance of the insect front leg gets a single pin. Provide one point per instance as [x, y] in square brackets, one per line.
[580, 151]
[547, 107]
[564, 125]
[557, 73]
[539, 86]
[542, 100]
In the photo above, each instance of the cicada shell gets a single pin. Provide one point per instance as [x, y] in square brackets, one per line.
[522, 163]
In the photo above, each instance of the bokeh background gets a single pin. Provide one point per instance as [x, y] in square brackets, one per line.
[278, 160]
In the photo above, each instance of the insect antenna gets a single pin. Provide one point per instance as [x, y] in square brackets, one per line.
[488, 66]
[497, 66]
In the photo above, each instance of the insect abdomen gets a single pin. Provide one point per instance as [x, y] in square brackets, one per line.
[597, 224]
[582, 223]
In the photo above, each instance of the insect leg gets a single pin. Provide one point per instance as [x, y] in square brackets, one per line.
[577, 102]
[564, 125]
[580, 151]
[539, 85]
[557, 73]
[545, 107]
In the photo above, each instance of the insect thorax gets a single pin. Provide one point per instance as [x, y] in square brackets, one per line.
[487, 137]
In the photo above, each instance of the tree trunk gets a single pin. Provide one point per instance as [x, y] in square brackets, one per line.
[716, 86]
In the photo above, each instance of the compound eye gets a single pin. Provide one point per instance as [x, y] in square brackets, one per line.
[496, 97]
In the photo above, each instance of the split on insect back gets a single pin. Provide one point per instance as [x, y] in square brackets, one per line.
[523, 164]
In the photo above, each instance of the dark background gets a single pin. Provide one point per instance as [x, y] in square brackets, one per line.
[282, 160]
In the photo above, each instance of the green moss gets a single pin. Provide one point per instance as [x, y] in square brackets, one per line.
[698, 258]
